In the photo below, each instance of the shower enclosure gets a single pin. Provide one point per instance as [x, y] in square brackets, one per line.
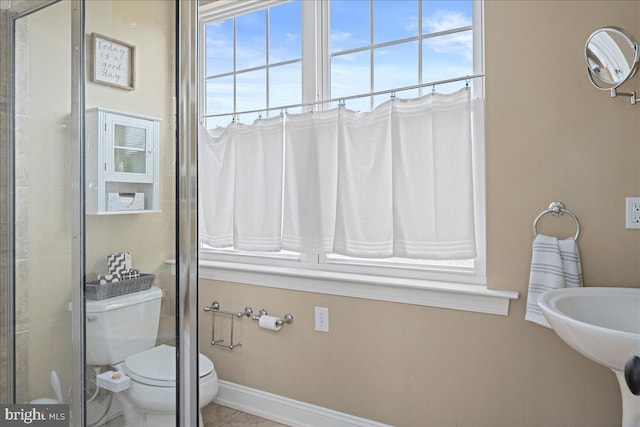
[63, 61]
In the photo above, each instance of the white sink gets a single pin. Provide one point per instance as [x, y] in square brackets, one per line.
[603, 324]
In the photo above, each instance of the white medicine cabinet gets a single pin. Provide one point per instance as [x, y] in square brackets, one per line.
[122, 163]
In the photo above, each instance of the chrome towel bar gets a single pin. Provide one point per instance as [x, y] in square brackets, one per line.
[215, 308]
[557, 209]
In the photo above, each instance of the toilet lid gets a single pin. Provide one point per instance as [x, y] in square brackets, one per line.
[157, 366]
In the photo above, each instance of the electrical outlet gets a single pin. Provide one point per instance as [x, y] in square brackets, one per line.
[322, 319]
[633, 212]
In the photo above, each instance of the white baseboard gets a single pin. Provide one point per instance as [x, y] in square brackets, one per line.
[284, 410]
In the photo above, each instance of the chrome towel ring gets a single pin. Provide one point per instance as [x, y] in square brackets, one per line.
[557, 209]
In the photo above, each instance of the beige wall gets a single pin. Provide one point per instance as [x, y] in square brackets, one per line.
[550, 136]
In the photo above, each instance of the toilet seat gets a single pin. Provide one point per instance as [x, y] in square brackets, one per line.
[157, 366]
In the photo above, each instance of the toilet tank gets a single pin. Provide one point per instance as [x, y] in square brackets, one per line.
[121, 326]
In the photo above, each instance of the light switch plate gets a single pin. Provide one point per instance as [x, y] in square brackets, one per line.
[322, 319]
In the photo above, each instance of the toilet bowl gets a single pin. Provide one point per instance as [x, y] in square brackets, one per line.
[151, 399]
[121, 332]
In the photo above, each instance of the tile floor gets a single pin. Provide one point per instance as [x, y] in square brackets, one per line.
[116, 422]
[221, 416]
[215, 415]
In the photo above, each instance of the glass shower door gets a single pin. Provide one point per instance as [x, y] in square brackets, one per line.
[131, 213]
[52, 254]
[40, 204]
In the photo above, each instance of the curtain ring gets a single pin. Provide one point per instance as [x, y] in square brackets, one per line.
[341, 103]
[433, 90]
[393, 95]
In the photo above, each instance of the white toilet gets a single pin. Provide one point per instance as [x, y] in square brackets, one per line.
[124, 329]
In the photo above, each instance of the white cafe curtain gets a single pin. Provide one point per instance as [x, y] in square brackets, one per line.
[394, 182]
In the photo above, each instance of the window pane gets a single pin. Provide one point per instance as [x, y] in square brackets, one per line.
[349, 24]
[251, 40]
[285, 28]
[213, 122]
[251, 91]
[394, 20]
[395, 66]
[219, 47]
[359, 104]
[219, 99]
[219, 95]
[447, 56]
[285, 86]
[445, 15]
[412, 93]
[249, 118]
[350, 74]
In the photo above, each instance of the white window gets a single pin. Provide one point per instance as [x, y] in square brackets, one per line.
[261, 58]
[252, 58]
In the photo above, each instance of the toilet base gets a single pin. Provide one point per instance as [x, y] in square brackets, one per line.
[150, 401]
[134, 417]
[151, 406]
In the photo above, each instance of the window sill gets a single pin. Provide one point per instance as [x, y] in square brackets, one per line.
[456, 296]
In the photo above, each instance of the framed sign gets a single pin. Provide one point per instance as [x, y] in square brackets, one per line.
[112, 62]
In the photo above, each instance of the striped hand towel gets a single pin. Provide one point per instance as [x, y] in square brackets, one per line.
[554, 264]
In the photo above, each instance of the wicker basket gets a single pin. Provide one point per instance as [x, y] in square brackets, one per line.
[96, 291]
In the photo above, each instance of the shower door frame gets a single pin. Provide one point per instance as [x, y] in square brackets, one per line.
[187, 214]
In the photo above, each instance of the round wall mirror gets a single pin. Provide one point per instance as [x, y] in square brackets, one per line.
[613, 57]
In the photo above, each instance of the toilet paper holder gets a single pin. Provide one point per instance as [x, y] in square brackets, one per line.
[287, 318]
[248, 312]
[215, 308]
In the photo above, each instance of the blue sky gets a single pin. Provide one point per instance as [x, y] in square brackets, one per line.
[395, 66]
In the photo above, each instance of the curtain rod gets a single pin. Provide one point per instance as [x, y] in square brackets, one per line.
[341, 99]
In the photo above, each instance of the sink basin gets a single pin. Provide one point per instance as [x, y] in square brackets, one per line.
[602, 324]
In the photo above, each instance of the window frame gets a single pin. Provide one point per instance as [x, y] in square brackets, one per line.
[457, 288]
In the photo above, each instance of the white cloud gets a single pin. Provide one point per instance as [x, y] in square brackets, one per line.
[290, 37]
[456, 43]
[337, 38]
[459, 43]
[444, 20]
[410, 24]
